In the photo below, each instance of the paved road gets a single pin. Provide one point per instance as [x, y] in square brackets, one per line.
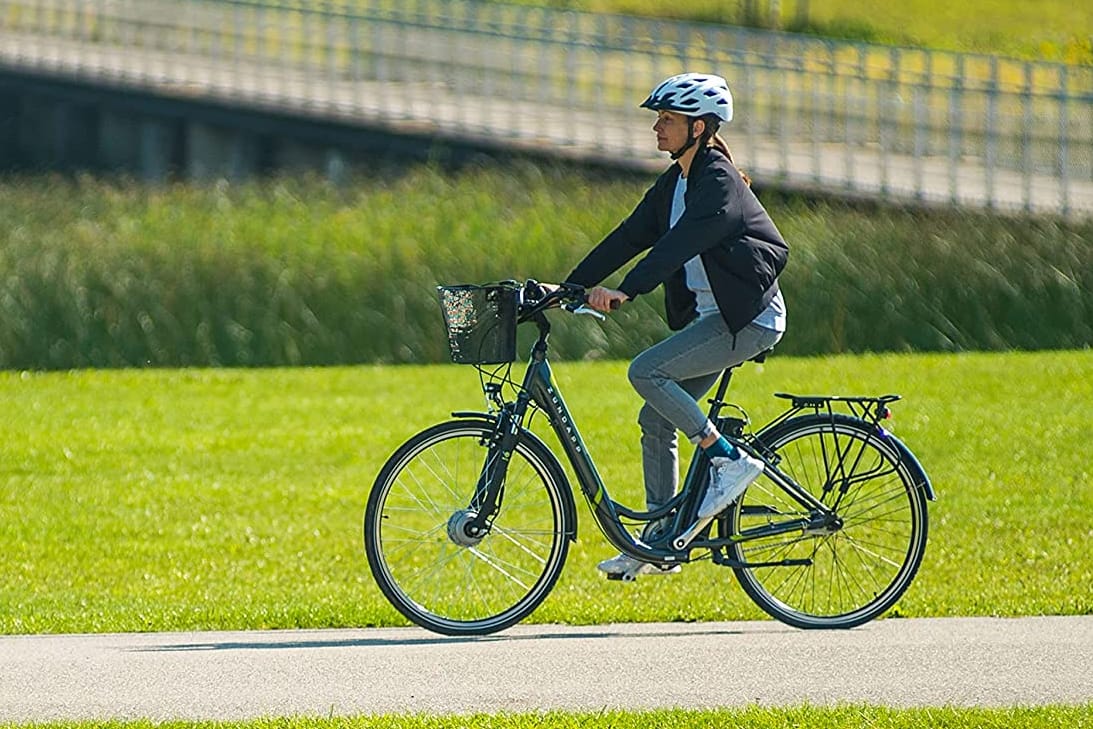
[962, 662]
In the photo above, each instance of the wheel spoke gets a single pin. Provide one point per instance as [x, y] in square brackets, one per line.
[867, 560]
[499, 566]
[859, 546]
[451, 582]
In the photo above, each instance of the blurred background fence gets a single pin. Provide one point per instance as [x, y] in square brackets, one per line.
[813, 113]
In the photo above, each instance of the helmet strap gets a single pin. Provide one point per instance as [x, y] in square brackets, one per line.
[690, 139]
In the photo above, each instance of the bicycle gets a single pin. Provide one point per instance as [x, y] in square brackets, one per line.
[468, 524]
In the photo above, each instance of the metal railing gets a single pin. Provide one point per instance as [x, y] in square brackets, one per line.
[876, 120]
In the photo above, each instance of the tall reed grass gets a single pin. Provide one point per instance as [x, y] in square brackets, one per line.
[300, 272]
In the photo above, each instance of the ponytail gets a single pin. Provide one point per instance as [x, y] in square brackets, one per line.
[710, 138]
[719, 144]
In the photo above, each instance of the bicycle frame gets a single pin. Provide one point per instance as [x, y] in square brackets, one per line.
[841, 502]
[538, 387]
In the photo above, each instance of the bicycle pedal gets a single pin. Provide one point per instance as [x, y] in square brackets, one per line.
[643, 569]
[622, 576]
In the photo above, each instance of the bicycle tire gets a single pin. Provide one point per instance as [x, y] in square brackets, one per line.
[435, 576]
[858, 571]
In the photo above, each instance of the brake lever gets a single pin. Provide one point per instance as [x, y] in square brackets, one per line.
[582, 309]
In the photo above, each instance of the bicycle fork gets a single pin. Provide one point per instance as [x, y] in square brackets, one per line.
[489, 490]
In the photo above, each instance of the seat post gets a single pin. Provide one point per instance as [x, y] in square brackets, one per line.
[718, 399]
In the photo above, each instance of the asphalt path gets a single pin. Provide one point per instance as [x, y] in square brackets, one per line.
[238, 675]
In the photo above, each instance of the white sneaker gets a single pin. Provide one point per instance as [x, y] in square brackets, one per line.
[624, 567]
[728, 479]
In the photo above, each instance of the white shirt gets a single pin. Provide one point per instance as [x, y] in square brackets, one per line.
[773, 317]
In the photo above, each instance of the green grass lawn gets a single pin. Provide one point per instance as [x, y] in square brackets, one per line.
[753, 717]
[1053, 30]
[138, 500]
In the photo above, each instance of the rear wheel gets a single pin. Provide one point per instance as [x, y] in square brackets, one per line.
[859, 566]
[426, 563]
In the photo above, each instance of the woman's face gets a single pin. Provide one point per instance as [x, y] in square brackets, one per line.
[671, 129]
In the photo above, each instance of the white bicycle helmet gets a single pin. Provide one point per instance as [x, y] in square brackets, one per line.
[693, 94]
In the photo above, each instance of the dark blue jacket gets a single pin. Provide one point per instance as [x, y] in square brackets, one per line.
[724, 222]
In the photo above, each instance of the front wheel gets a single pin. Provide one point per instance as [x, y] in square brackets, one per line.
[427, 565]
[853, 569]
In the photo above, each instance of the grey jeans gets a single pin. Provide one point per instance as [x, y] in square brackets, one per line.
[671, 376]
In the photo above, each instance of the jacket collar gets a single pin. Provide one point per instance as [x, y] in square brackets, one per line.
[703, 157]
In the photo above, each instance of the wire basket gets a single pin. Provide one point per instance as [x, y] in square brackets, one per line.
[481, 322]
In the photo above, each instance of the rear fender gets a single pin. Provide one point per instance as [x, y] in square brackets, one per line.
[916, 469]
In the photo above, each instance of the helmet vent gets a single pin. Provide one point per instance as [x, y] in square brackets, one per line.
[693, 94]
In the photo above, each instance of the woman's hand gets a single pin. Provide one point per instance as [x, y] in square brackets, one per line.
[604, 299]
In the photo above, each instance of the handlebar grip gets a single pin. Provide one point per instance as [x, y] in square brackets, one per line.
[615, 304]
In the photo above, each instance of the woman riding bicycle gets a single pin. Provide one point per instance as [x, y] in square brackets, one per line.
[710, 242]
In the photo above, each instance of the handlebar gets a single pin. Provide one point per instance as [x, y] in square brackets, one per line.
[568, 296]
